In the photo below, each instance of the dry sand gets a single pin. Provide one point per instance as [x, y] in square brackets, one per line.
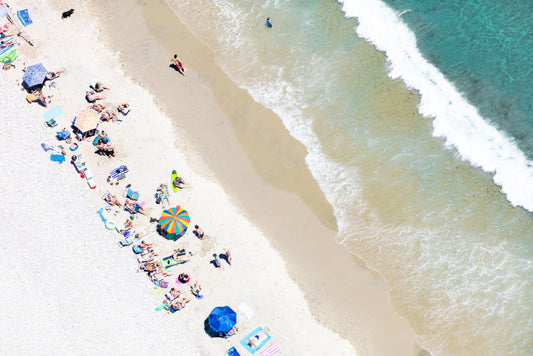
[98, 294]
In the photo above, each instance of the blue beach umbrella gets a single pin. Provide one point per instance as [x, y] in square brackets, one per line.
[35, 75]
[222, 319]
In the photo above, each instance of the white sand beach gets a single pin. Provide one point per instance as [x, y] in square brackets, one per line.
[68, 287]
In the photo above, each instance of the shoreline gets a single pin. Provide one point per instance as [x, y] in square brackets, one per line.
[256, 138]
[277, 231]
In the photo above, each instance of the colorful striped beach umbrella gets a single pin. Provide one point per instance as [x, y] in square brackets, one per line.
[34, 75]
[174, 222]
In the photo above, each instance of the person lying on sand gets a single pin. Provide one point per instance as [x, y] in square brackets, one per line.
[108, 115]
[157, 276]
[53, 75]
[113, 200]
[91, 96]
[180, 303]
[134, 207]
[145, 245]
[124, 108]
[5, 44]
[178, 256]
[258, 338]
[97, 107]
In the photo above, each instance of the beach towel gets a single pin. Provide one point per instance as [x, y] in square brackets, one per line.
[233, 352]
[119, 172]
[250, 349]
[272, 349]
[246, 310]
[52, 113]
[24, 17]
[57, 158]
[9, 57]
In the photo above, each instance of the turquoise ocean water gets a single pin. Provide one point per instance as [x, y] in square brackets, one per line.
[412, 125]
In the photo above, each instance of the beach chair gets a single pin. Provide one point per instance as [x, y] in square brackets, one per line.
[50, 122]
[132, 194]
[24, 17]
[63, 135]
[50, 115]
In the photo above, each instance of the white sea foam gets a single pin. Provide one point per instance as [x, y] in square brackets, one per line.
[455, 119]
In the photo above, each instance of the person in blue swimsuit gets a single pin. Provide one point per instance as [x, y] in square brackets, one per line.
[269, 23]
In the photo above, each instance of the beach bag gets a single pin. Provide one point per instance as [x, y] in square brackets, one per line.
[96, 140]
[163, 284]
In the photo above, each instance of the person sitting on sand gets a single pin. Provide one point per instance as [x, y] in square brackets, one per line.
[108, 150]
[180, 303]
[41, 98]
[228, 256]
[196, 288]
[97, 107]
[99, 87]
[179, 183]
[91, 96]
[177, 64]
[101, 140]
[258, 338]
[231, 331]
[217, 261]
[134, 207]
[200, 233]
[162, 192]
[124, 108]
[53, 75]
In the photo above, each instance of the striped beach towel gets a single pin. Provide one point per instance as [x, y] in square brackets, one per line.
[119, 172]
[272, 349]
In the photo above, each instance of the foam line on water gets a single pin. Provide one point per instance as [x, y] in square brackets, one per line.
[455, 119]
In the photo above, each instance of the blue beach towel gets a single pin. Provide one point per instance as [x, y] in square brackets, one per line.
[250, 349]
[53, 113]
[24, 17]
[233, 352]
[122, 170]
